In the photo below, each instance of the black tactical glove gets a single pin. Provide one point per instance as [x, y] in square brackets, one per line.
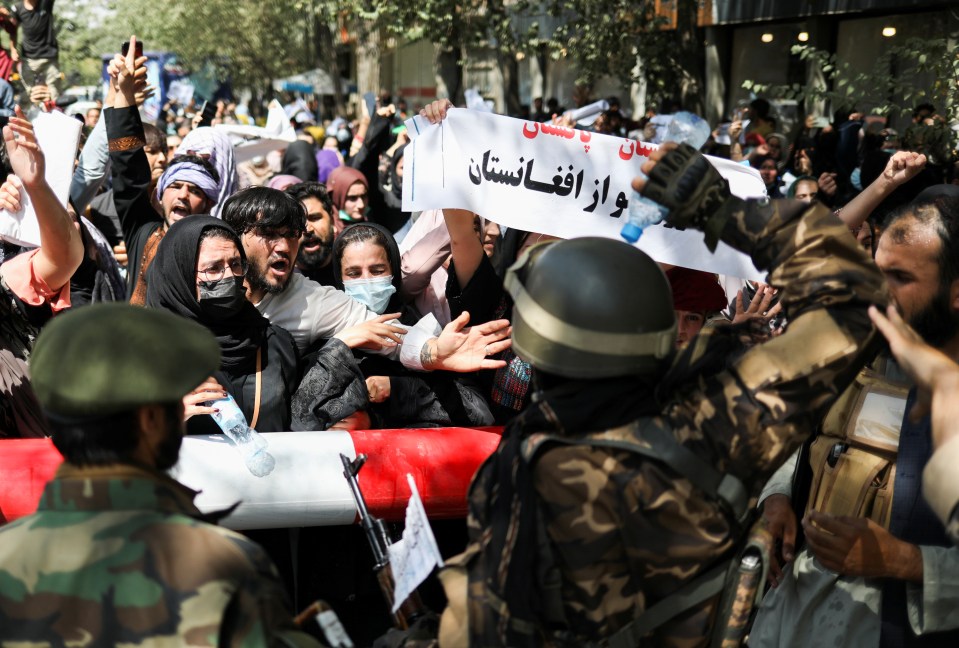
[691, 188]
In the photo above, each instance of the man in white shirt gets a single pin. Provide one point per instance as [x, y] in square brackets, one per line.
[270, 224]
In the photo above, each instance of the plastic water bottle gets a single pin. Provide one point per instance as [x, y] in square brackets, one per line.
[249, 443]
[685, 128]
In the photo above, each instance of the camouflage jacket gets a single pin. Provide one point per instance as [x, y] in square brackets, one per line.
[119, 555]
[625, 531]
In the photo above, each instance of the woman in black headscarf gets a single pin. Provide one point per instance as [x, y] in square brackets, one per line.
[300, 160]
[391, 180]
[198, 273]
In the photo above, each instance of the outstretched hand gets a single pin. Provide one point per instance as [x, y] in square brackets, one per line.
[682, 180]
[374, 334]
[26, 158]
[929, 367]
[463, 349]
[760, 313]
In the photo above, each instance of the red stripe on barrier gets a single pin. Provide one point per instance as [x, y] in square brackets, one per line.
[26, 465]
[441, 460]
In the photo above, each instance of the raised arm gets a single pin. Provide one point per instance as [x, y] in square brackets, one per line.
[466, 245]
[901, 168]
[771, 399]
[130, 168]
[61, 249]
[426, 255]
[92, 167]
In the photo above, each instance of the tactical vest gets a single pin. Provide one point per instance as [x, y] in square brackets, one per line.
[651, 439]
[853, 459]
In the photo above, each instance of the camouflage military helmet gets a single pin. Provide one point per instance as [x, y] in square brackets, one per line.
[591, 308]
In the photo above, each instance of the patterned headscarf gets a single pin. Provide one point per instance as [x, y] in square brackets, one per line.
[207, 141]
[188, 172]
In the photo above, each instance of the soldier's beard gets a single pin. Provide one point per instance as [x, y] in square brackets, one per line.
[937, 323]
[168, 450]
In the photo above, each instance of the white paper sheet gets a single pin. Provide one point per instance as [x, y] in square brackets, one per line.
[251, 141]
[413, 558]
[58, 136]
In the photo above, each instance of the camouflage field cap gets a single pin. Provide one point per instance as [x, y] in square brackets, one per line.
[591, 308]
[107, 358]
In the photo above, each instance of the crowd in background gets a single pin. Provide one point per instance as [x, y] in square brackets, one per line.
[336, 309]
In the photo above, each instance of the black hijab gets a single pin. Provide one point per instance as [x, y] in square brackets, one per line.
[394, 197]
[300, 160]
[347, 236]
[171, 284]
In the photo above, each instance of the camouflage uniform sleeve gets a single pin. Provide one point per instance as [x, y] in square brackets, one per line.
[750, 418]
[259, 613]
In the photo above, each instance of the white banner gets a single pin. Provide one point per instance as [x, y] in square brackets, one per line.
[58, 136]
[252, 141]
[553, 180]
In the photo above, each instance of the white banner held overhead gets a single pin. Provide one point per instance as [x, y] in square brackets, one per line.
[412, 558]
[553, 180]
[252, 141]
[58, 136]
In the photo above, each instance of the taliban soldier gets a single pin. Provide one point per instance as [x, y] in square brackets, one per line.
[117, 552]
[874, 565]
[614, 504]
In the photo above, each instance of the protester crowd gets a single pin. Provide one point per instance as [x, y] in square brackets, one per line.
[334, 309]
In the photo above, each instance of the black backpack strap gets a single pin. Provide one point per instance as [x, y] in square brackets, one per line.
[700, 589]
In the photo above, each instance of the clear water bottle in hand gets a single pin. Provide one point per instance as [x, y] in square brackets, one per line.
[249, 443]
[685, 128]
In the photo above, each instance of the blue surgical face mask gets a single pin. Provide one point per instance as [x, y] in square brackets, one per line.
[375, 293]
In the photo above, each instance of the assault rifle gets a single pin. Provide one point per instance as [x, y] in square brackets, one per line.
[379, 539]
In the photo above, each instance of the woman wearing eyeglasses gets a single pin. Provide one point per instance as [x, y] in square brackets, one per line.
[198, 273]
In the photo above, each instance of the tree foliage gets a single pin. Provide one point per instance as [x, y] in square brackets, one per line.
[918, 70]
[84, 33]
[597, 37]
[255, 41]
[252, 42]
[608, 37]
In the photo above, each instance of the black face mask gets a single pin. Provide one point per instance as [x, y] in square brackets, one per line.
[222, 299]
